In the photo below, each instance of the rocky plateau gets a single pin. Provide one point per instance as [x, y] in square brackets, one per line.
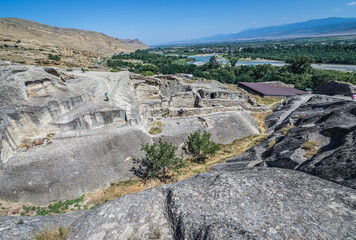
[60, 139]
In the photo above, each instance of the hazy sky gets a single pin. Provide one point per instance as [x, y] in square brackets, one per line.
[159, 21]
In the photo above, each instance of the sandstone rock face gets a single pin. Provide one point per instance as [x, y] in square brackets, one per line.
[59, 139]
[246, 204]
[313, 134]
[336, 88]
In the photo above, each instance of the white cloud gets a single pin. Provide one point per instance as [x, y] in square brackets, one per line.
[351, 4]
[254, 22]
[336, 9]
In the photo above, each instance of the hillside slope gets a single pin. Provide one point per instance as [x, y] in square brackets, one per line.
[31, 42]
[37, 33]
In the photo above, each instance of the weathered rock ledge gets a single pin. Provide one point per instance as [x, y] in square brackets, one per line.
[247, 204]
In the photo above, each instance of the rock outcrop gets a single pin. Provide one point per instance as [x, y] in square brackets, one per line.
[335, 88]
[57, 133]
[247, 204]
[314, 134]
[267, 193]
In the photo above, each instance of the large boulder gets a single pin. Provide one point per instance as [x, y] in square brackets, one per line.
[336, 88]
[247, 204]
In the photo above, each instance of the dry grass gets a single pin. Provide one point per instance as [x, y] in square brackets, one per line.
[311, 148]
[53, 233]
[234, 87]
[260, 118]
[271, 144]
[270, 101]
[120, 189]
[156, 128]
[286, 129]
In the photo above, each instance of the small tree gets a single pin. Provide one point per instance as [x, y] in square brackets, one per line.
[233, 60]
[159, 162]
[200, 145]
[213, 62]
[300, 64]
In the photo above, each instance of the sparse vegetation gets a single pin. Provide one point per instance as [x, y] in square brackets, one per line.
[156, 233]
[271, 144]
[285, 129]
[54, 208]
[311, 148]
[156, 128]
[53, 233]
[54, 57]
[200, 145]
[148, 73]
[270, 101]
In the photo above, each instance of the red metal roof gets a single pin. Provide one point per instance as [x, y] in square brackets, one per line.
[270, 90]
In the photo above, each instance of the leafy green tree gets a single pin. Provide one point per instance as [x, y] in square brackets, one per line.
[213, 62]
[200, 145]
[233, 60]
[300, 64]
[160, 161]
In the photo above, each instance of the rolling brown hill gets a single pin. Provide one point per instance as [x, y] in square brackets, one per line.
[30, 42]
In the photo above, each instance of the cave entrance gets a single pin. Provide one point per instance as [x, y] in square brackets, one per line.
[212, 95]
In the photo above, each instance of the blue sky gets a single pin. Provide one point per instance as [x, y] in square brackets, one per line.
[159, 21]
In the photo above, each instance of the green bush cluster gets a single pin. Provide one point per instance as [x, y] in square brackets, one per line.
[161, 161]
[54, 57]
[200, 145]
[55, 208]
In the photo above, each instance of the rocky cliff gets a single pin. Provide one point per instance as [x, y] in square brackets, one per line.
[314, 134]
[57, 133]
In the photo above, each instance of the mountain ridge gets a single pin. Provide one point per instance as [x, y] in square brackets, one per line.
[310, 28]
[91, 41]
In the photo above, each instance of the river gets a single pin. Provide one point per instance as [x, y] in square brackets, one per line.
[200, 60]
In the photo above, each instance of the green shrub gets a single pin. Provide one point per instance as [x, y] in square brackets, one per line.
[200, 145]
[53, 57]
[147, 73]
[160, 161]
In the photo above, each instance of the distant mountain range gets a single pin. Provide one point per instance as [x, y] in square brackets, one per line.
[312, 28]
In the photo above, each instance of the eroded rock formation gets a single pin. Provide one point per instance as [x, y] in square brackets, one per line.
[314, 134]
[60, 139]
